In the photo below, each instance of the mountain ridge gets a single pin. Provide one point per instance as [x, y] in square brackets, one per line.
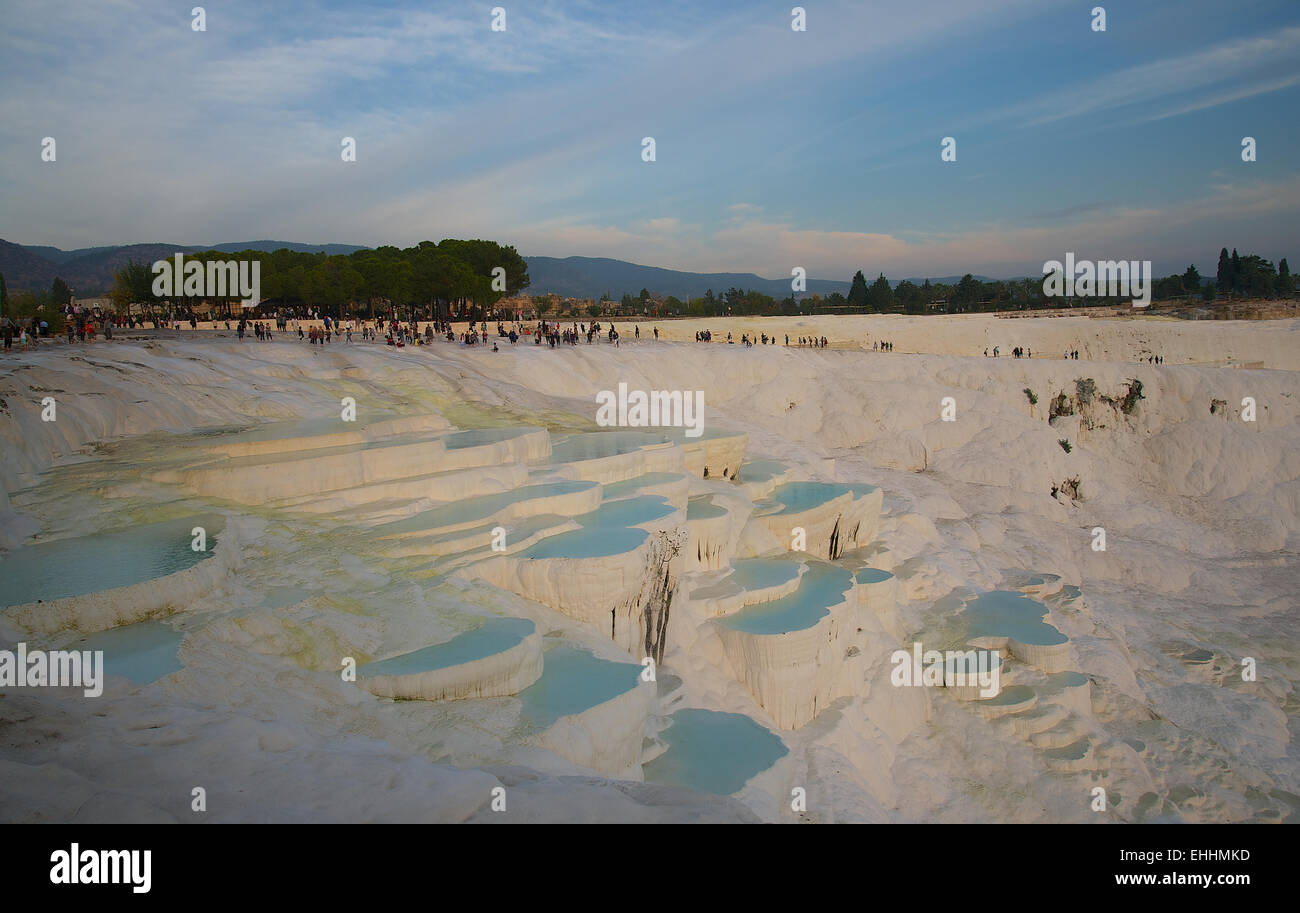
[89, 270]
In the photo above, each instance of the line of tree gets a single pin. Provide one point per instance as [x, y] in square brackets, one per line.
[450, 278]
[22, 306]
[1249, 276]
[1252, 276]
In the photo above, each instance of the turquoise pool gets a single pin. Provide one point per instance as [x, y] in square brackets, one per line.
[480, 436]
[796, 497]
[493, 636]
[763, 573]
[632, 486]
[714, 752]
[590, 542]
[104, 560]
[627, 512]
[823, 585]
[142, 652]
[761, 470]
[471, 510]
[702, 507]
[574, 680]
[1003, 613]
[599, 444]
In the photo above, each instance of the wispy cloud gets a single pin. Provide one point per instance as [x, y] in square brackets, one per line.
[1184, 74]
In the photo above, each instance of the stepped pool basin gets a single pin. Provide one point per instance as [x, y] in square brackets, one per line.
[714, 752]
[1004, 613]
[702, 507]
[477, 437]
[493, 636]
[63, 568]
[472, 510]
[761, 470]
[590, 542]
[574, 680]
[628, 487]
[598, 444]
[627, 512]
[141, 653]
[872, 575]
[822, 586]
[763, 573]
[797, 497]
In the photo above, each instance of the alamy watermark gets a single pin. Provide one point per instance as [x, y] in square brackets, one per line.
[78, 866]
[655, 408]
[1089, 279]
[23, 668]
[952, 669]
[215, 279]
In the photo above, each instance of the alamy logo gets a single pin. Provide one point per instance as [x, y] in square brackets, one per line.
[215, 279]
[77, 866]
[1088, 279]
[657, 408]
[56, 669]
[953, 669]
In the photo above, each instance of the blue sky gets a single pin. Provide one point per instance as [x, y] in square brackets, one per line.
[775, 148]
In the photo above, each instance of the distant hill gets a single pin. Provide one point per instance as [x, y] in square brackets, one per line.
[591, 277]
[89, 270]
[268, 246]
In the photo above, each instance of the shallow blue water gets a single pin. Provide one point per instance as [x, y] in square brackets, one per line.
[589, 542]
[703, 508]
[707, 434]
[714, 752]
[1016, 694]
[1062, 680]
[599, 444]
[309, 427]
[480, 436]
[468, 510]
[796, 497]
[608, 530]
[822, 585]
[105, 560]
[1003, 613]
[872, 575]
[572, 681]
[278, 597]
[627, 512]
[762, 573]
[493, 636]
[761, 470]
[142, 652]
[632, 486]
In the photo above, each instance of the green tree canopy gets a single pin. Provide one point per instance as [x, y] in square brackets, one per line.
[857, 299]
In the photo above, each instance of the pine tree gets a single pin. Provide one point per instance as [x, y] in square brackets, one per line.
[1224, 277]
[880, 295]
[60, 294]
[858, 292]
[1192, 280]
[1237, 276]
[1283, 278]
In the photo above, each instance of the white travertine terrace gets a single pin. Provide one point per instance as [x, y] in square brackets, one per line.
[651, 558]
[508, 671]
[275, 477]
[839, 524]
[136, 602]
